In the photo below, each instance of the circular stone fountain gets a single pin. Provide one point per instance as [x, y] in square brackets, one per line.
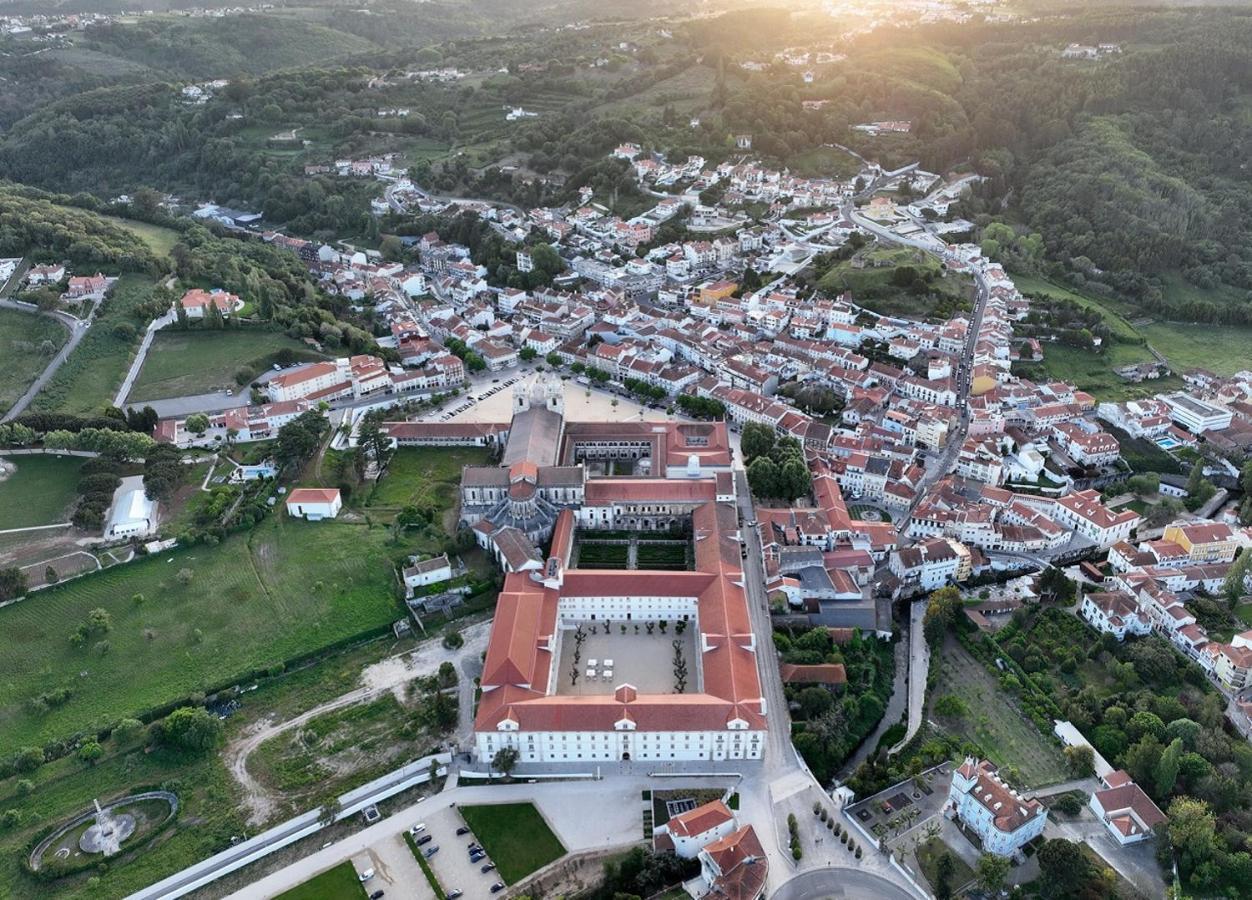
[104, 831]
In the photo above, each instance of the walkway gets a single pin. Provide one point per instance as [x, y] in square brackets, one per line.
[119, 400]
[919, 671]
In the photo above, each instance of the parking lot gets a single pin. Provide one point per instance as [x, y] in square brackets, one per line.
[451, 864]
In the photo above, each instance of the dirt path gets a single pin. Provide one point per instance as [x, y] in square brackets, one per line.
[390, 674]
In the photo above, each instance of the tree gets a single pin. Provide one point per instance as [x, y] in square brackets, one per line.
[1081, 760]
[373, 443]
[680, 667]
[1192, 830]
[993, 871]
[944, 867]
[763, 477]
[90, 753]
[505, 760]
[1062, 866]
[197, 423]
[941, 610]
[1167, 768]
[12, 582]
[756, 440]
[1054, 585]
[191, 729]
[528, 353]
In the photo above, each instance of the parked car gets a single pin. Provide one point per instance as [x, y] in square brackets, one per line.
[366, 875]
[488, 867]
[376, 895]
[477, 856]
[418, 828]
[424, 839]
[497, 887]
[473, 845]
[464, 829]
[431, 852]
[453, 894]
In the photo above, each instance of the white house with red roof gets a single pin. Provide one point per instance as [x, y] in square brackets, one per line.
[735, 867]
[1126, 811]
[314, 504]
[196, 302]
[690, 832]
[1003, 819]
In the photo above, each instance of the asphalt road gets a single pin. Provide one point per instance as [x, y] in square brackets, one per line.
[844, 884]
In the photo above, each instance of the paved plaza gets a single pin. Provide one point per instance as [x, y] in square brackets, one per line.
[637, 658]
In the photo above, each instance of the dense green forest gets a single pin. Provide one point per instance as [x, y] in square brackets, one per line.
[1132, 169]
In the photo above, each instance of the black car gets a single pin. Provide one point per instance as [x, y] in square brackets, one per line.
[473, 845]
[497, 887]
[424, 839]
[464, 829]
[488, 867]
[376, 895]
[477, 856]
[453, 894]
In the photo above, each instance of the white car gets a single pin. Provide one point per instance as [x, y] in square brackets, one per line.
[366, 875]
[418, 828]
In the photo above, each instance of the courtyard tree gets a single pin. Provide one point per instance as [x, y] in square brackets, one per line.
[1081, 760]
[505, 760]
[197, 423]
[680, 667]
[756, 440]
[993, 871]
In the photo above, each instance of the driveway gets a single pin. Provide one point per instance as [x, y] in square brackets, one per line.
[397, 872]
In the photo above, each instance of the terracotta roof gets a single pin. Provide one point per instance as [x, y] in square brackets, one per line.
[829, 673]
[740, 860]
[313, 495]
[700, 820]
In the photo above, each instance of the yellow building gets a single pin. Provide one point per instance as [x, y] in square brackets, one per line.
[1205, 542]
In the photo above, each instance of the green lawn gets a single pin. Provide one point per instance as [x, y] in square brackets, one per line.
[27, 344]
[993, 722]
[339, 883]
[515, 836]
[928, 855]
[1094, 372]
[181, 363]
[1244, 612]
[89, 379]
[824, 162]
[159, 239]
[1223, 349]
[286, 589]
[593, 555]
[425, 477]
[41, 491]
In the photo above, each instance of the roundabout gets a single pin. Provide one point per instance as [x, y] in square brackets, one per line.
[842, 884]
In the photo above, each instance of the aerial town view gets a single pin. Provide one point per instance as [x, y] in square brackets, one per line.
[727, 449]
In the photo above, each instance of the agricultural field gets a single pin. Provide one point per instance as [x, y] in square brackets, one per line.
[1222, 349]
[1093, 372]
[41, 490]
[339, 883]
[182, 363]
[27, 344]
[515, 836]
[992, 721]
[192, 620]
[89, 379]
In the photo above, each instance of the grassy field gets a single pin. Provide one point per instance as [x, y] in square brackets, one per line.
[181, 363]
[1223, 349]
[160, 240]
[339, 751]
[824, 162]
[286, 589]
[23, 339]
[1005, 736]
[515, 836]
[94, 371]
[40, 492]
[872, 285]
[425, 477]
[339, 883]
[1093, 372]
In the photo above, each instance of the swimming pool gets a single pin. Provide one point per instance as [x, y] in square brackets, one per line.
[1168, 443]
